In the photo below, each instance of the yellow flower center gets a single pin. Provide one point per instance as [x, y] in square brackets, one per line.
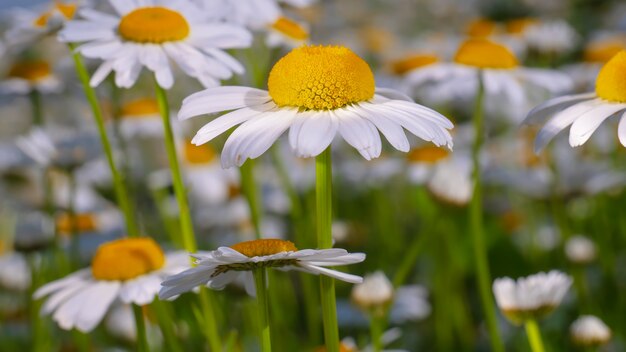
[412, 62]
[263, 247]
[611, 81]
[197, 155]
[484, 53]
[30, 70]
[290, 29]
[320, 78]
[80, 223]
[602, 52]
[140, 108]
[66, 10]
[153, 25]
[519, 25]
[427, 154]
[127, 259]
[481, 28]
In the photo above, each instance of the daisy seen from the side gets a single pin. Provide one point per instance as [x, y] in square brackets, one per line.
[151, 34]
[224, 265]
[315, 92]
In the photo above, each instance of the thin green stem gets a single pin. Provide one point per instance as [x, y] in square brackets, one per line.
[376, 332]
[323, 195]
[121, 192]
[37, 106]
[140, 323]
[251, 192]
[260, 278]
[534, 335]
[477, 226]
[166, 323]
[209, 319]
[189, 241]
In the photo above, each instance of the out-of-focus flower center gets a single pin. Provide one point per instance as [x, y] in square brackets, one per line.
[611, 82]
[145, 107]
[320, 78]
[483, 53]
[412, 62]
[66, 10]
[427, 154]
[153, 25]
[602, 52]
[519, 25]
[30, 70]
[290, 29]
[481, 28]
[263, 247]
[79, 223]
[127, 259]
[197, 155]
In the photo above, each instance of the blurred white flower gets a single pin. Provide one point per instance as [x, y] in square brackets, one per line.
[531, 297]
[27, 76]
[410, 304]
[580, 249]
[589, 331]
[551, 36]
[14, 271]
[374, 294]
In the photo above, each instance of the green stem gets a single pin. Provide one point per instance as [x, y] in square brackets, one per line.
[35, 100]
[534, 335]
[71, 211]
[121, 192]
[260, 277]
[140, 323]
[251, 192]
[166, 323]
[477, 226]
[189, 241]
[376, 332]
[210, 322]
[323, 195]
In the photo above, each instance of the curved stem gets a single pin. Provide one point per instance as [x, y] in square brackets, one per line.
[121, 192]
[260, 277]
[323, 195]
[142, 341]
[251, 192]
[477, 226]
[534, 335]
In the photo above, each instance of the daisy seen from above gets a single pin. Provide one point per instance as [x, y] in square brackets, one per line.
[315, 92]
[585, 112]
[128, 270]
[151, 33]
[225, 264]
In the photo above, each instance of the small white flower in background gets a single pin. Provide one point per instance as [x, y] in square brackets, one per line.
[26, 76]
[14, 271]
[531, 297]
[120, 322]
[38, 145]
[580, 249]
[451, 181]
[374, 294]
[551, 36]
[254, 14]
[151, 33]
[129, 270]
[410, 304]
[141, 118]
[589, 331]
[225, 264]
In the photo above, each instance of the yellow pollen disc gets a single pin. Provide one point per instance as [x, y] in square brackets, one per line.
[611, 81]
[320, 78]
[427, 154]
[42, 20]
[519, 25]
[602, 52]
[153, 25]
[126, 259]
[30, 70]
[80, 223]
[202, 154]
[412, 62]
[481, 28]
[67, 10]
[290, 29]
[263, 247]
[484, 53]
[140, 108]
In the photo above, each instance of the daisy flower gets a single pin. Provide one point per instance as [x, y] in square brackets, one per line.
[27, 76]
[128, 270]
[580, 249]
[151, 33]
[590, 331]
[531, 297]
[550, 36]
[315, 92]
[14, 271]
[374, 294]
[504, 80]
[225, 264]
[287, 32]
[141, 118]
[585, 112]
[254, 14]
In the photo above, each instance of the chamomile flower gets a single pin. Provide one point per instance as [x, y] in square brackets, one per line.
[590, 331]
[315, 92]
[374, 294]
[550, 36]
[254, 14]
[26, 76]
[504, 80]
[151, 33]
[287, 32]
[225, 264]
[128, 270]
[585, 112]
[580, 249]
[531, 297]
[141, 118]
[14, 271]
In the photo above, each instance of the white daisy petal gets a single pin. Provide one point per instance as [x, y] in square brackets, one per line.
[332, 273]
[587, 123]
[621, 129]
[392, 131]
[219, 99]
[359, 133]
[92, 313]
[140, 291]
[548, 108]
[560, 121]
[312, 133]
